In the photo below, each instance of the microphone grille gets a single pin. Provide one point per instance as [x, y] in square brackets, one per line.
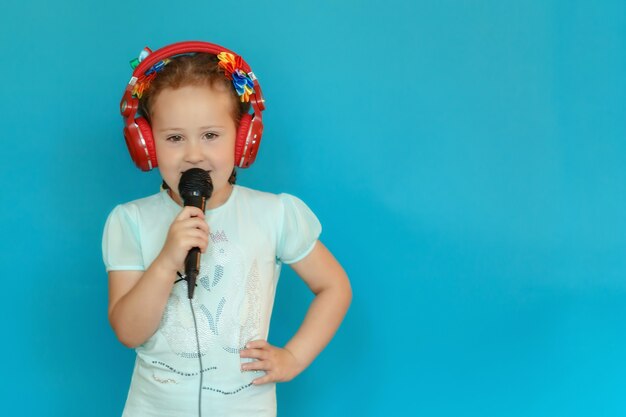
[195, 182]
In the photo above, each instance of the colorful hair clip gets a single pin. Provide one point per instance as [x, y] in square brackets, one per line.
[144, 80]
[143, 84]
[243, 84]
[142, 55]
[158, 67]
[242, 81]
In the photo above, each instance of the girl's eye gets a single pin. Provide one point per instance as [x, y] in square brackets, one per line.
[210, 136]
[174, 138]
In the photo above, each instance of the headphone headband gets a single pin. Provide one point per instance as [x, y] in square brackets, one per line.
[181, 48]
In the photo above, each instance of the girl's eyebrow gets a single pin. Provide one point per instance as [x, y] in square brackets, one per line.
[167, 129]
[178, 129]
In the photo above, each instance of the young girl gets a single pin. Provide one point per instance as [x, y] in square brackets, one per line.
[209, 355]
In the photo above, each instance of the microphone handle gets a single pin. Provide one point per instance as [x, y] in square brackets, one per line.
[192, 269]
[192, 261]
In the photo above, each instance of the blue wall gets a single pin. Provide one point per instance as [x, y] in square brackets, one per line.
[466, 158]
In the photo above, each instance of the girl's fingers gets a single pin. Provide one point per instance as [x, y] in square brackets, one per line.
[195, 243]
[183, 227]
[190, 211]
[257, 344]
[195, 222]
[185, 239]
[186, 230]
[263, 380]
[256, 366]
[254, 354]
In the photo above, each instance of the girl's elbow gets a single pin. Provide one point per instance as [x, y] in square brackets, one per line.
[343, 290]
[348, 293]
[125, 336]
[127, 340]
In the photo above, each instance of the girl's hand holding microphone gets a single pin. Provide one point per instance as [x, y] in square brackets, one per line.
[188, 230]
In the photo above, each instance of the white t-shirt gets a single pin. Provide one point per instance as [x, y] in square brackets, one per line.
[251, 235]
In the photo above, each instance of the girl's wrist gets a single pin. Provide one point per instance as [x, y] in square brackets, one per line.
[164, 268]
[300, 365]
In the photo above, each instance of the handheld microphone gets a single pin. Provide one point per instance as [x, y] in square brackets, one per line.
[195, 187]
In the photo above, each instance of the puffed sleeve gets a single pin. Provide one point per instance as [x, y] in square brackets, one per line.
[121, 248]
[299, 231]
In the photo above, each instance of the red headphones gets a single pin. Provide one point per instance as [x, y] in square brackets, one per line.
[138, 133]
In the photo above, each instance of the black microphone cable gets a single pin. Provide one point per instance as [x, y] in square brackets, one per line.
[195, 326]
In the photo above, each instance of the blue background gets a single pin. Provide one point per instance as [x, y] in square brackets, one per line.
[466, 158]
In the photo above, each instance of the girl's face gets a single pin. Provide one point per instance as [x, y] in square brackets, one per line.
[193, 127]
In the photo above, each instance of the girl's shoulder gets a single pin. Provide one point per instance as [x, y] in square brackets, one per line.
[147, 201]
[284, 207]
[264, 198]
[152, 205]
[246, 193]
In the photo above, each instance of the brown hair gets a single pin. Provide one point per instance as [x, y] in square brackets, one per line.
[185, 70]
[198, 70]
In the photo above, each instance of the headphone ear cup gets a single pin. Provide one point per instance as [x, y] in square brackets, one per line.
[242, 138]
[148, 154]
[141, 151]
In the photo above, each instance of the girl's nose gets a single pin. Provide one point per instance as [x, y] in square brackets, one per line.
[193, 152]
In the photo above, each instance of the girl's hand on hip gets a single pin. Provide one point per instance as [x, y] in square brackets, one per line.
[188, 230]
[278, 364]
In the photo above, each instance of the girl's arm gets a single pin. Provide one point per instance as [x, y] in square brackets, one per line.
[329, 282]
[137, 299]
